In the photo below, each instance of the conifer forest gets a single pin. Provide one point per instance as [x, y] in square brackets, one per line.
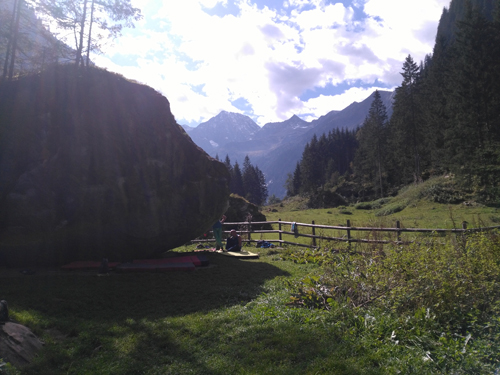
[445, 121]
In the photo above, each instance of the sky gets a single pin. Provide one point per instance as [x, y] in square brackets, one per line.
[271, 59]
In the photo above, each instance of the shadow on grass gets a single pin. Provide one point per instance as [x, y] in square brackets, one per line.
[225, 282]
[173, 323]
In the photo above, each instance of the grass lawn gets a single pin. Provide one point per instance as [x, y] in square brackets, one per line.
[419, 214]
[232, 317]
[430, 309]
[229, 318]
[413, 208]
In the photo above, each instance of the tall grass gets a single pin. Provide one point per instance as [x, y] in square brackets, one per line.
[438, 300]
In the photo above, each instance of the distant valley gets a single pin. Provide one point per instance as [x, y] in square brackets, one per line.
[276, 147]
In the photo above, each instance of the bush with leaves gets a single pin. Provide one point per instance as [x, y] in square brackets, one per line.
[392, 208]
[442, 299]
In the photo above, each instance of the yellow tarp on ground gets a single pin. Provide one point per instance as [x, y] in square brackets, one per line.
[239, 254]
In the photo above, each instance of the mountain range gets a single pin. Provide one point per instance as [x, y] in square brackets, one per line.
[276, 147]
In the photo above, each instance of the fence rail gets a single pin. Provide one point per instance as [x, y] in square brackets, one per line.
[246, 231]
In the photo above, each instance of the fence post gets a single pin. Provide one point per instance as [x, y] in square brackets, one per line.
[398, 225]
[464, 235]
[279, 228]
[349, 232]
[249, 228]
[314, 233]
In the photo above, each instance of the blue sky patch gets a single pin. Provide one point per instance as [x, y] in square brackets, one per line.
[198, 89]
[189, 63]
[223, 10]
[331, 90]
[271, 4]
[124, 60]
[242, 104]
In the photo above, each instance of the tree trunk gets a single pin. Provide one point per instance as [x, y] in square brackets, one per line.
[90, 33]
[9, 43]
[14, 35]
[79, 57]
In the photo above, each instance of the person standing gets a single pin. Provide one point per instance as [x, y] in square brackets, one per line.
[217, 229]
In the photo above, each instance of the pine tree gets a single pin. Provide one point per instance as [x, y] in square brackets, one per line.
[263, 192]
[236, 184]
[408, 128]
[227, 163]
[323, 161]
[434, 97]
[296, 180]
[471, 137]
[254, 183]
[371, 157]
[310, 167]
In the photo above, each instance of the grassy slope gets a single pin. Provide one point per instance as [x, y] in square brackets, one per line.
[419, 211]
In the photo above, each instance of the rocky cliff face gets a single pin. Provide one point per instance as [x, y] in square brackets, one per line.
[92, 166]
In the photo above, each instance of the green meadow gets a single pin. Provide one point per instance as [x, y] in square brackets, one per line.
[431, 307]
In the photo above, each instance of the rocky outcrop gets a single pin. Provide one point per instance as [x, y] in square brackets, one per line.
[241, 210]
[93, 166]
[18, 345]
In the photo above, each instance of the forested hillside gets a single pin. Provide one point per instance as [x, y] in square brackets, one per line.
[249, 182]
[445, 120]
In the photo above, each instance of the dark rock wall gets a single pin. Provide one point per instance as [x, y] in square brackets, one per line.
[93, 165]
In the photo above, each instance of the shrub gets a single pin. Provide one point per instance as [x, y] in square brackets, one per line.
[495, 218]
[392, 208]
[374, 205]
[444, 194]
[363, 206]
[440, 300]
[458, 280]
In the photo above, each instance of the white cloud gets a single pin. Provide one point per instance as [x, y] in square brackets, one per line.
[270, 58]
[324, 104]
[324, 17]
[401, 23]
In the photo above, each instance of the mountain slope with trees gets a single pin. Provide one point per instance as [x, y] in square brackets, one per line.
[445, 120]
[276, 147]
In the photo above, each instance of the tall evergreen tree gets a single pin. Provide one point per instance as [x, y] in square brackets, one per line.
[295, 182]
[227, 163]
[310, 167]
[263, 192]
[472, 142]
[254, 183]
[371, 157]
[236, 184]
[408, 128]
[434, 97]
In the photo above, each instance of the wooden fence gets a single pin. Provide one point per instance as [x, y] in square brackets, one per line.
[246, 231]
